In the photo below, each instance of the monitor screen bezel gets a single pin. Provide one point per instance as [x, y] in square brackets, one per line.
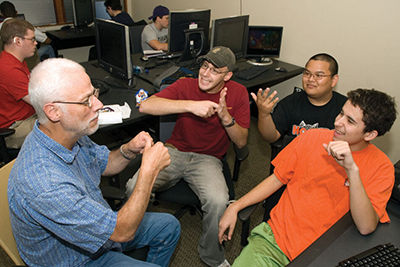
[261, 52]
[217, 25]
[122, 72]
[177, 43]
[78, 21]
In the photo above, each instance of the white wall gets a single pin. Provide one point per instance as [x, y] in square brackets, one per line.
[362, 35]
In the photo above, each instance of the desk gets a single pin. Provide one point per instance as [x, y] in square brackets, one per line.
[343, 241]
[137, 121]
[267, 79]
[71, 38]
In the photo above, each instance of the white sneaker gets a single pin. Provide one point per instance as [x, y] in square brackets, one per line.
[224, 264]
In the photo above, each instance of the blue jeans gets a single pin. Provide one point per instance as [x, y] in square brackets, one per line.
[159, 231]
[204, 175]
[46, 49]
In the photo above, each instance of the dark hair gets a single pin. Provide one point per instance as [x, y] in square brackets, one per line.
[379, 109]
[333, 65]
[8, 9]
[114, 4]
[14, 28]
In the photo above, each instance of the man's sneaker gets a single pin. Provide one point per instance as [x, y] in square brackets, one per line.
[225, 264]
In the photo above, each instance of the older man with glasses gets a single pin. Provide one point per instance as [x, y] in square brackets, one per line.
[58, 214]
[212, 111]
[314, 107]
[15, 107]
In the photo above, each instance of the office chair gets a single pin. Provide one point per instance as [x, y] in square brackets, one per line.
[5, 156]
[181, 193]
[7, 240]
[135, 33]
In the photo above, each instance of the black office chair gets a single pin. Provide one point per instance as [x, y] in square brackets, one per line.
[135, 33]
[6, 154]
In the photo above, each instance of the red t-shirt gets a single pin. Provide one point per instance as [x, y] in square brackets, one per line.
[317, 196]
[206, 135]
[14, 79]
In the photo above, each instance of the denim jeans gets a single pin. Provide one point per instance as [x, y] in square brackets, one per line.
[204, 175]
[46, 49]
[159, 231]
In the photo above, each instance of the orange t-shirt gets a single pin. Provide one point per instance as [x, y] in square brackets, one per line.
[317, 196]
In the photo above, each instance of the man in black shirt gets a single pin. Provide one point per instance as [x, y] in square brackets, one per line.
[114, 8]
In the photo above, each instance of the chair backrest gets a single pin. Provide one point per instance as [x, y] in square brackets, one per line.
[7, 240]
[273, 199]
[167, 122]
[135, 33]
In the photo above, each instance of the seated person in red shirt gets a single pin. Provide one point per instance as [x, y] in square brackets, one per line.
[15, 108]
[327, 173]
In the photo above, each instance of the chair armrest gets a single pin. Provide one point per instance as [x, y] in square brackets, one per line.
[111, 192]
[4, 132]
[245, 213]
[241, 153]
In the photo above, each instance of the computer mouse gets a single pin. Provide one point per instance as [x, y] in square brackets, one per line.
[280, 69]
[66, 27]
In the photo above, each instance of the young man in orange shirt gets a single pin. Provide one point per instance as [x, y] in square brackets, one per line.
[327, 173]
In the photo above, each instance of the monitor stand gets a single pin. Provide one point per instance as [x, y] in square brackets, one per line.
[119, 83]
[260, 61]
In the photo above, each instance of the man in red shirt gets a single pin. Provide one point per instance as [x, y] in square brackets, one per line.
[15, 108]
[212, 111]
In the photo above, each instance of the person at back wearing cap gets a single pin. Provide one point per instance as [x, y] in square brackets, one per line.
[212, 111]
[155, 35]
[114, 9]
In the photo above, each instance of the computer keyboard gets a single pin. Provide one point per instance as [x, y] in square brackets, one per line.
[381, 255]
[101, 85]
[251, 73]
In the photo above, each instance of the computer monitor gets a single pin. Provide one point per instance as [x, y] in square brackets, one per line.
[231, 32]
[263, 43]
[113, 52]
[100, 11]
[188, 32]
[83, 12]
[19, 16]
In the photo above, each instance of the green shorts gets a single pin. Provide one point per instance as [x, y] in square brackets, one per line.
[262, 249]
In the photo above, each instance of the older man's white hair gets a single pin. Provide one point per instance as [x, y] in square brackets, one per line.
[51, 81]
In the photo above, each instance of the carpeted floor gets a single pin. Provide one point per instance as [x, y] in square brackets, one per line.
[253, 170]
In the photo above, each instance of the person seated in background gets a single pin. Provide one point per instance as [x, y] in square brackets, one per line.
[45, 51]
[315, 107]
[155, 35]
[212, 111]
[327, 173]
[114, 9]
[16, 111]
[58, 214]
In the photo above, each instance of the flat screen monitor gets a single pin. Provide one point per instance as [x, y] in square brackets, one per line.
[190, 19]
[231, 32]
[83, 12]
[263, 43]
[19, 16]
[100, 11]
[113, 51]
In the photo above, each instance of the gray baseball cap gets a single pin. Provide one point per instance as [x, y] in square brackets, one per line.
[220, 56]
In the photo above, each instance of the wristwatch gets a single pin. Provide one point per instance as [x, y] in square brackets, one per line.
[230, 124]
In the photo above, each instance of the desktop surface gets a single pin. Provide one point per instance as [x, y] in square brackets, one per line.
[343, 240]
[118, 95]
[267, 79]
